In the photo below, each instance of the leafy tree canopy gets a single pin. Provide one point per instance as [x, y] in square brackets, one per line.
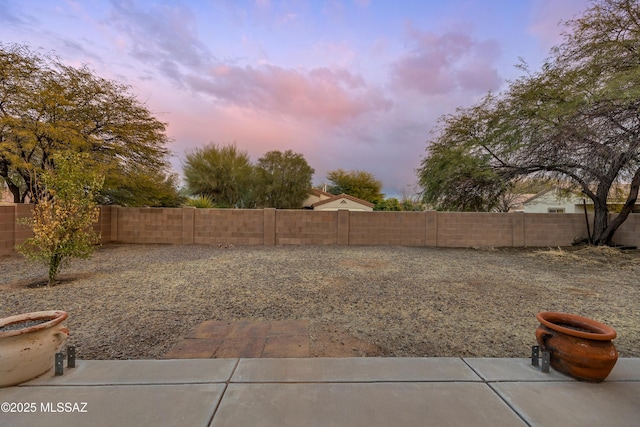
[282, 180]
[356, 183]
[223, 173]
[576, 121]
[47, 107]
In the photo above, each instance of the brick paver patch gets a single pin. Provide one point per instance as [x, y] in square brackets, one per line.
[245, 338]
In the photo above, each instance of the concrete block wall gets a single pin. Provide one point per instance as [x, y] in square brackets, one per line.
[22, 232]
[628, 232]
[12, 233]
[552, 229]
[388, 228]
[7, 229]
[229, 226]
[271, 227]
[476, 229]
[148, 225]
[306, 227]
[103, 226]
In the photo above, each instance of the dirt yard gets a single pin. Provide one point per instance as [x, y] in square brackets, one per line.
[137, 301]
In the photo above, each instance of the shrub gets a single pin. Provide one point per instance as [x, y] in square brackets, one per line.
[64, 211]
[201, 201]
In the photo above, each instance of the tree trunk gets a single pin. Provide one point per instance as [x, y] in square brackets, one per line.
[13, 188]
[54, 266]
[609, 231]
[600, 223]
[16, 193]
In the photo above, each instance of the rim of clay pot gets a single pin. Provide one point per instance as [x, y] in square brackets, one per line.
[56, 317]
[597, 331]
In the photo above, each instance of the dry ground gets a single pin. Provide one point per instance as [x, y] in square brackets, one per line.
[137, 301]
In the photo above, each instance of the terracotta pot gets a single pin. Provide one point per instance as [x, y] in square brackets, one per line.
[28, 352]
[579, 347]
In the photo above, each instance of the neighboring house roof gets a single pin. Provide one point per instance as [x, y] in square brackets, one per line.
[321, 194]
[343, 198]
[314, 197]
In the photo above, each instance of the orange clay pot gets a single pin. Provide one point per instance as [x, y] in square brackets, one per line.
[28, 352]
[579, 347]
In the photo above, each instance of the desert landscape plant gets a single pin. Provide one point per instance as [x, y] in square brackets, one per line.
[63, 213]
[201, 202]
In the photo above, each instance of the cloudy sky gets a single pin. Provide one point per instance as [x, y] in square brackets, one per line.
[351, 84]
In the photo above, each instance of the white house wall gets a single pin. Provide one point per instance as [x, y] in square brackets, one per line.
[552, 200]
[342, 204]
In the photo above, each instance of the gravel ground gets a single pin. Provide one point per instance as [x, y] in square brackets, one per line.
[137, 301]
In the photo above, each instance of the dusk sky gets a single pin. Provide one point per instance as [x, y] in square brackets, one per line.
[351, 84]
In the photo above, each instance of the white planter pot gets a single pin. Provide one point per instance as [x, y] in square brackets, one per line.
[28, 352]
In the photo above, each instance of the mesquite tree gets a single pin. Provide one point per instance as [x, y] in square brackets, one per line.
[576, 121]
[48, 107]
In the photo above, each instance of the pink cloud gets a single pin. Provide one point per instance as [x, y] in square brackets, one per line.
[548, 16]
[439, 64]
[323, 94]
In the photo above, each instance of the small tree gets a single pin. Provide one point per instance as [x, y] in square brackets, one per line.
[356, 183]
[224, 173]
[64, 211]
[282, 180]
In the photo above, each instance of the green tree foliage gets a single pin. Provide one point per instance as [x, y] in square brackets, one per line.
[47, 107]
[360, 184]
[455, 180]
[576, 121]
[388, 204]
[223, 173]
[405, 204]
[282, 180]
[64, 213]
[142, 187]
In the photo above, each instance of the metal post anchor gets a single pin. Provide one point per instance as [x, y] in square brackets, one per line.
[546, 359]
[535, 354]
[59, 364]
[71, 357]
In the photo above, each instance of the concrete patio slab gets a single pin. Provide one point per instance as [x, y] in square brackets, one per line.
[353, 370]
[366, 405]
[314, 391]
[626, 369]
[573, 403]
[120, 372]
[499, 369]
[123, 406]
